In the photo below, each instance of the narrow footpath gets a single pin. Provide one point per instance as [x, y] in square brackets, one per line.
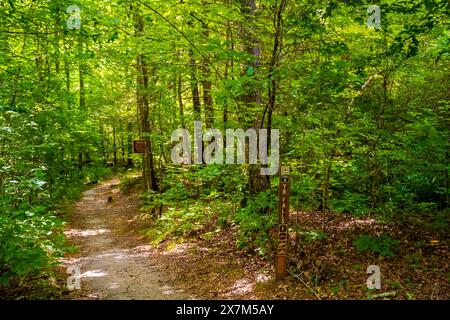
[114, 260]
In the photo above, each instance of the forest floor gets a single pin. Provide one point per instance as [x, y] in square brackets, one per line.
[117, 261]
[323, 268]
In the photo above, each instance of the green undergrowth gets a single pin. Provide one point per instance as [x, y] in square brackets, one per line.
[34, 209]
[189, 219]
[383, 245]
[205, 200]
[129, 179]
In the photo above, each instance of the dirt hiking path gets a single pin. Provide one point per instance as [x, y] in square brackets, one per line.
[115, 261]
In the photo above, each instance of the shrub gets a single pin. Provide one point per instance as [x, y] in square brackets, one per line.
[28, 245]
[255, 221]
[381, 245]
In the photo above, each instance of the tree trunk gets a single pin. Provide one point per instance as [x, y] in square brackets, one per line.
[206, 84]
[82, 96]
[252, 97]
[194, 88]
[143, 110]
[129, 143]
[115, 145]
[180, 100]
[274, 61]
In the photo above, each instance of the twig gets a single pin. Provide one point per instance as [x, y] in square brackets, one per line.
[301, 280]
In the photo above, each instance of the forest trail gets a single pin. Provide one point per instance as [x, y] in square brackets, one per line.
[115, 261]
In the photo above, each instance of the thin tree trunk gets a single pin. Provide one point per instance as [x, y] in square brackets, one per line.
[206, 84]
[252, 98]
[122, 141]
[180, 100]
[229, 64]
[67, 70]
[143, 109]
[274, 61]
[82, 97]
[194, 88]
[115, 146]
[129, 143]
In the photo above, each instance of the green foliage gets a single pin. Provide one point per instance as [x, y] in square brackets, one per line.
[186, 219]
[382, 245]
[192, 204]
[255, 221]
[93, 174]
[28, 245]
[315, 235]
[441, 220]
[127, 183]
[356, 203]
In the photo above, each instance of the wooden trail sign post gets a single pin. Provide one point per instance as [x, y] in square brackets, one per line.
[284, 193]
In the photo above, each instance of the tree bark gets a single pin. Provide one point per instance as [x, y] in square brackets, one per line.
[206, 84]
[143, 110]
[252, 97]
[115, 145]
[194, 88]
[82, 97]
[180, 100]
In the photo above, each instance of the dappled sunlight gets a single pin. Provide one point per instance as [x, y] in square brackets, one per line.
[85, 233]
[113, 286]
[117, 255]
[169, 290]
[241, 286]
[94, 194]
[337, 222]
[346, 225]
[178, 249]
[143, 250]
[123, 254]
[93, 274]
[263, 278]
[90, 192]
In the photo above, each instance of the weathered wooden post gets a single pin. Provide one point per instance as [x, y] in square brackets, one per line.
[284, 191]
